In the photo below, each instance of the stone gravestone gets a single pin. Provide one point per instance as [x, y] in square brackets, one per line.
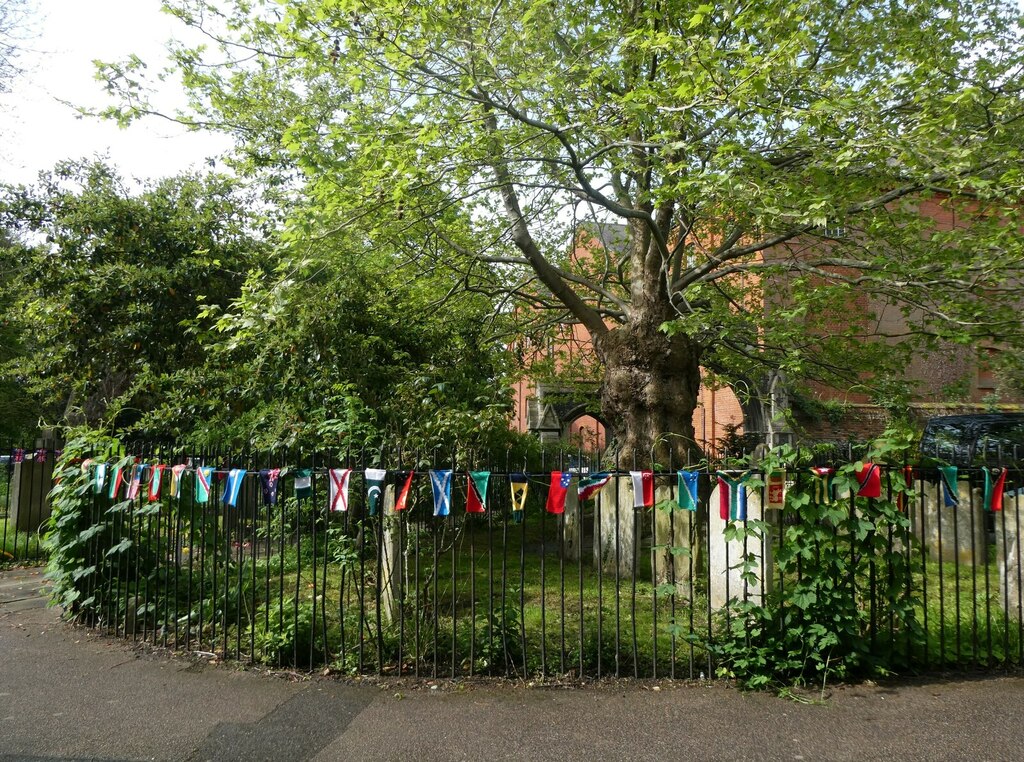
[960, 528]
[672, 530]
[1009, 526]
[30, 487]
[725, 557]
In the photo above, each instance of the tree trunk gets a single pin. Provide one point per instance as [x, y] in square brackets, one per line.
[649, 393]
[648, 397]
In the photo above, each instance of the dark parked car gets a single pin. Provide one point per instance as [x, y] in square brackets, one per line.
[987, 439]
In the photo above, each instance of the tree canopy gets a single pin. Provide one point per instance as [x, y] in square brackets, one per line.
[768, 160]
[106, 281]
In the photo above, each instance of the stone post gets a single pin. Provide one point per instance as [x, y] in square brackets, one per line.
[725, 557]
[614, 535]
[391, 558]
[961, 528]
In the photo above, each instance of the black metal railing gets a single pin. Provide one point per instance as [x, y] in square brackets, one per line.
[603, 588]
[26, 475]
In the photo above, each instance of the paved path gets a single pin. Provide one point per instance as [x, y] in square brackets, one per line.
[65, 694]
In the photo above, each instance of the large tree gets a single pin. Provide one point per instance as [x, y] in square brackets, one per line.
[767, 159]
[105, 283]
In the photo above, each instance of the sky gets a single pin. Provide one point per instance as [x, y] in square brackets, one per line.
[38, 128]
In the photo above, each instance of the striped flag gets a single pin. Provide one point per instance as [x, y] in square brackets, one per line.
[203, 476]
[993, 495]
[153, 494]
[177, 472]
[100, 478]
[136, 483]
[589, 486]
[233, 486]
[950, 490]
[732, 497]
[403, 498]
[374, 488]
[687, 494]
[643, 488]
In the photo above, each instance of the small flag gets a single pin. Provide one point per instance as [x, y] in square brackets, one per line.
[177, 474]
[476, 491]
[136, 483]
[203, 476]
[560, 481]
[776, 490]
[303, 483]
[403, 498]
[732, 497]
[19, 455]
[269, 478]
[338, 488]
[643, 488]
[233, 486]
[993, 496]
[374, 488]
[687, 496]
[908, 483]
[100, 479]
[40, 456]
[824, 488]
[116, 479]
[950, 490]
[519, 487]
[153, 493]
[441, 485]
[589, 486]
[870, 480]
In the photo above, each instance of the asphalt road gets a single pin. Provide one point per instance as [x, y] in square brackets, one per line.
[67, 694]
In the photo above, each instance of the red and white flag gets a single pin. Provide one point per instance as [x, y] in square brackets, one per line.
[339, 488]
[643, 488]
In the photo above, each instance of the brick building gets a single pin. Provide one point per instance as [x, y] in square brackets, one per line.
[951, 379]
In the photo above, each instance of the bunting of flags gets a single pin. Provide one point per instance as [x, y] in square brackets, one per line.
[733, 486]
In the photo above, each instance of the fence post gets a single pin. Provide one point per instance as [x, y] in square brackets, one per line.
[391, 561]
